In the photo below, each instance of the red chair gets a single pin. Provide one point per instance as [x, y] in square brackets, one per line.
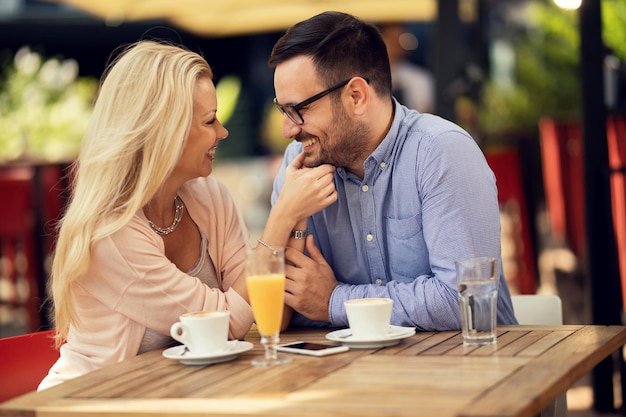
[561, 146]
[616, 136]
[563, 176]
[24, 362]
[19, 268]
[506, 166]
[35, 198]
[53, 193]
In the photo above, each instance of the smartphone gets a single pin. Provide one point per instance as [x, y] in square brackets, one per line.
[313, 349]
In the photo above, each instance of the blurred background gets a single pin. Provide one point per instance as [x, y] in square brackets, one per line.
[540, 84]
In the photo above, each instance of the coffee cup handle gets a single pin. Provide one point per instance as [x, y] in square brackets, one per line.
[179, 331]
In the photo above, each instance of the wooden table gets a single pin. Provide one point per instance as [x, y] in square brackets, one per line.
[428, 374]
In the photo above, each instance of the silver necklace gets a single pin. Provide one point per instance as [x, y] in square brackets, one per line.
[178, 216]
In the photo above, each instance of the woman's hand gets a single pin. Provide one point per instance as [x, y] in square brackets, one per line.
[307, 190]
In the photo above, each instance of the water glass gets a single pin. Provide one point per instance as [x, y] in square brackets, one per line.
[477, 285]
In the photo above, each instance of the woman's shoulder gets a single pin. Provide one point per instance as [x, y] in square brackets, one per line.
[135, 231]
[132, 246]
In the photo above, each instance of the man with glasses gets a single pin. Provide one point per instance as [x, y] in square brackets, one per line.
[414, 190]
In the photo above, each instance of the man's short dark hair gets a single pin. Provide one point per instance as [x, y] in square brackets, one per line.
[341, 46]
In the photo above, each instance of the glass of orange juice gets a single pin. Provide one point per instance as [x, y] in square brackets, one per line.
[265, 278]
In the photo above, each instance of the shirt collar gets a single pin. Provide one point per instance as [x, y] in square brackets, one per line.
[382, 153]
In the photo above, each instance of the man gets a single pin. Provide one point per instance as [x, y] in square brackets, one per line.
[414, 190]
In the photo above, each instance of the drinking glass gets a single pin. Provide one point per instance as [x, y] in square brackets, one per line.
[265, 278]
[477, 284]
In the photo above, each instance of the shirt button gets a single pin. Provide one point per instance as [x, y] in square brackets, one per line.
[365, 188]
[369, 237]
[379, 281]
[383, 164]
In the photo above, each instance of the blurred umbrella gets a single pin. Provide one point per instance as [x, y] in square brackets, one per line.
[236, 17]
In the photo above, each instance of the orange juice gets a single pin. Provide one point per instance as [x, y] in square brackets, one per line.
[267, 295]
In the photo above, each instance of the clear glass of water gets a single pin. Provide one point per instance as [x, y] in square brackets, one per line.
[477, 285]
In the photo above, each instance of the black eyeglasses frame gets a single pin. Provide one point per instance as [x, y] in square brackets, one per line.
[283, 108]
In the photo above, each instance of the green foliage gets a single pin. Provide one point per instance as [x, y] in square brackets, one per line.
[614, 26]
[45, 108]
[547, 71]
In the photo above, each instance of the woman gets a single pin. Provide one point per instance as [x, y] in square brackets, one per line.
[148, 235]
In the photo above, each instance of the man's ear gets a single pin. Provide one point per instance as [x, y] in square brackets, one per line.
[358, 96]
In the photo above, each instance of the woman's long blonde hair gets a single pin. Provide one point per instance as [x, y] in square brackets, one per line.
[136, 134]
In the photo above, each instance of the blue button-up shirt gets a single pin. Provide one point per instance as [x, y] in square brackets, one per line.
[428, 198]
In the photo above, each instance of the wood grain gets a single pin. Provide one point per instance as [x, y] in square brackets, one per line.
[428, 374]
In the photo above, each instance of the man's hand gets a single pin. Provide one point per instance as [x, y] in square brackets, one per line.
[310, 282]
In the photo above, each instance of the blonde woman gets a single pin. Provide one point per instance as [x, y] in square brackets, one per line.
[148, 235]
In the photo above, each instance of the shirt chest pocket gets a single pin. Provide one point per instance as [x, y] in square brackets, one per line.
[406, 249]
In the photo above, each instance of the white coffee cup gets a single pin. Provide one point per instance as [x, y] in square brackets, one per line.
[369, 318]
[203, 332]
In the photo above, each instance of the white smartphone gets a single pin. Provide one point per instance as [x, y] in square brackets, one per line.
[313, 349]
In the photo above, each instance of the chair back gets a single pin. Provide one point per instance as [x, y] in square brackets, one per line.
[25, 360]
[538, 309]
[542, 309]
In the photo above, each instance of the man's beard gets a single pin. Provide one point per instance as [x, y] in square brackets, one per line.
[347, 145]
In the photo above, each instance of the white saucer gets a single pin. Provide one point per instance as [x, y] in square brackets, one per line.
[233, 348]
[396, 333]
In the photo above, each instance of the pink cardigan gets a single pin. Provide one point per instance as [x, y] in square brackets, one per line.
[131, 285]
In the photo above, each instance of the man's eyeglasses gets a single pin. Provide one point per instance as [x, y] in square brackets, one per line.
[293, 111]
